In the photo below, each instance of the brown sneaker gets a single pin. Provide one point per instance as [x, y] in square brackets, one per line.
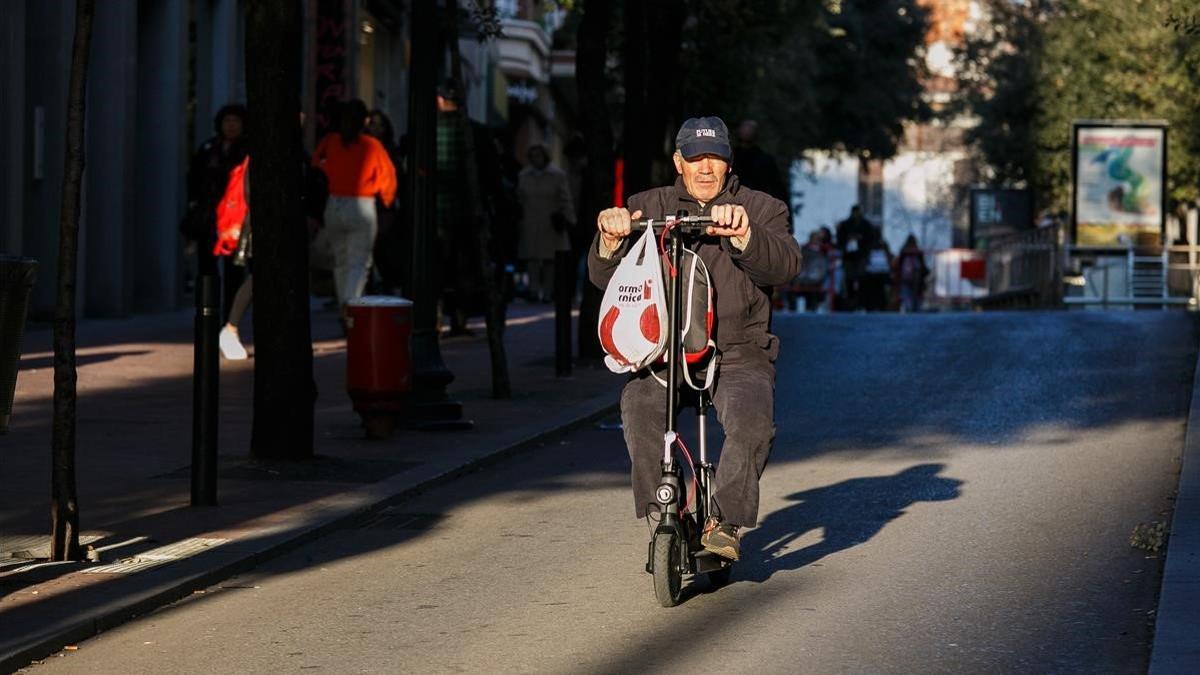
[720, 538]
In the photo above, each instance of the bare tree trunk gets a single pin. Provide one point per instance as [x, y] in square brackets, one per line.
[653, 40]
[64, 506]
[635, 66]
[469, 160]
[590, 60]
[284, 390]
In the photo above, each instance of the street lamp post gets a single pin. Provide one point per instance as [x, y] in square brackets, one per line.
[430, 405]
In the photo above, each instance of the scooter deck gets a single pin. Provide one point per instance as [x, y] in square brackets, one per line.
[707, 561]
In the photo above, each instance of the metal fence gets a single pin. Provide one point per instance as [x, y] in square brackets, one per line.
[1167, 276]
[1025, 270]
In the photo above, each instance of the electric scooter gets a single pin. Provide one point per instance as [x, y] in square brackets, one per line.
[674, 549]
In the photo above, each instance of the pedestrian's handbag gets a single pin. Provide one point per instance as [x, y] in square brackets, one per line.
[231, 211]
[634, 309]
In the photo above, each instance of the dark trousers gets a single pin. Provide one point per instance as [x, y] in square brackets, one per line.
[744, 401]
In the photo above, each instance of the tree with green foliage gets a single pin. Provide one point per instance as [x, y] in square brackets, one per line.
[868, 82]
[838, 75]
[1044, 64]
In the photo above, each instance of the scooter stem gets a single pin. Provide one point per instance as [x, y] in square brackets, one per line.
[675, 321]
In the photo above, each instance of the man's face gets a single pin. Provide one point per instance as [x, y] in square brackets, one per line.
[231, 127]
[703, 176]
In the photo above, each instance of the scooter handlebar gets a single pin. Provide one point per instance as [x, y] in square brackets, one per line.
[694, 225]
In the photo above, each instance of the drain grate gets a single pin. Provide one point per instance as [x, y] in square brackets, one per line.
[26, 547]
[391, 519]
[158, 556]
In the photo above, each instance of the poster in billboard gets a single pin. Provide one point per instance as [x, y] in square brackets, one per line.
[998, 212]
[1119, 191]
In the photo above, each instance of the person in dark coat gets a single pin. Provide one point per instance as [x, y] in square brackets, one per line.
[909, 273]
[856, 238]
[748, 251]
[756, 168]
[208, 176]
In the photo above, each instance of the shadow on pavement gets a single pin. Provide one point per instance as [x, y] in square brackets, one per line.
[849, 384]
[848, 513]
[80, 359]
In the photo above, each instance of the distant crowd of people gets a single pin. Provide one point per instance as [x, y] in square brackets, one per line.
[854, 269]
[360, 235]
[356, 219]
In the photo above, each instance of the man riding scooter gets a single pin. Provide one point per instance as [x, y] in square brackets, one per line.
[748, 250]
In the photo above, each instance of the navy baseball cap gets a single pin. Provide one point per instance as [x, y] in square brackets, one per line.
[703, 136]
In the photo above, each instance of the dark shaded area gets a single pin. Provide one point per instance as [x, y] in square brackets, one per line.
[81, 360]
[318, 468]
[860, 384]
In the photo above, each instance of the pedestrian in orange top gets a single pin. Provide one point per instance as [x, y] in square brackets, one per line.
[359, 170]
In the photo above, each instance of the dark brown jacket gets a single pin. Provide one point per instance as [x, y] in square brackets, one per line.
[741, 279]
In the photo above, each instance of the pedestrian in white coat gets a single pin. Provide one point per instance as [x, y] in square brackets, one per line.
[546, 221]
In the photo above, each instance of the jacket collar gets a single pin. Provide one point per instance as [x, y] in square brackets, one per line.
[728, 191]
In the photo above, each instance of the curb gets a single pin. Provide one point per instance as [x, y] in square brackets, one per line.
[1176, 648]
[115, 614]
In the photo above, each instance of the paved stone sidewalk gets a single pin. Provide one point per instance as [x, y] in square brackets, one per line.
[134, 445]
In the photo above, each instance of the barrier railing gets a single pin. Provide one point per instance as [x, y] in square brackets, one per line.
[1024, 270]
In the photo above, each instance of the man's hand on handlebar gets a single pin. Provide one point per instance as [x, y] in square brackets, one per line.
[615, 224]
[729, 220]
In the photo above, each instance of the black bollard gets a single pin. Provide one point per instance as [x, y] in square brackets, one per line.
[16, 283]
[205, 381]
[564, 288]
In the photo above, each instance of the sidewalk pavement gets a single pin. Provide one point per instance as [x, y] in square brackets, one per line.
[134, 454]
[1177, 622]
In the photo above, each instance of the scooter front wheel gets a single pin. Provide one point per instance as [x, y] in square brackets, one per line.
[668, 578]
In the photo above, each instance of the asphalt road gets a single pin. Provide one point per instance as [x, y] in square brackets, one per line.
[947, 493]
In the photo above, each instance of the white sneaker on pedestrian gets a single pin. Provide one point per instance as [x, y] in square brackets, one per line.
[231, 346]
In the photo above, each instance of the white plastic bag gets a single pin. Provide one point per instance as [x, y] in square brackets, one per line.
[633, 314]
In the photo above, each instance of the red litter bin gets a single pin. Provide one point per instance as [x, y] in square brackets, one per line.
[378, 361]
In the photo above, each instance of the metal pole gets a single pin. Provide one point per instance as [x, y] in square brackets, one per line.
[675, 320]
[430, 374]
[564, 288]
[205, 383]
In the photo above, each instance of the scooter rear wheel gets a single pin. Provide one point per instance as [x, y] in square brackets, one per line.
[668, 579]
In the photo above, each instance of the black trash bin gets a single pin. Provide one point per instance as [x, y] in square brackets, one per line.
[16, 282]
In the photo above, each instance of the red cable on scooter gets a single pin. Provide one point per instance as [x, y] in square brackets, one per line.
[692, 466]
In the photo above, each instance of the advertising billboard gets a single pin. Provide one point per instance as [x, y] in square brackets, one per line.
[1119, 187]
[997, 212]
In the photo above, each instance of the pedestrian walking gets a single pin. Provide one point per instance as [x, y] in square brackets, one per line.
[812, 283]
[207, 180]
[547, 220]
[876, 277]
[755, 167]
[393, 248]
[359, 170]
[909, 275]
[855, 239]
[459, 274]
[313, 198]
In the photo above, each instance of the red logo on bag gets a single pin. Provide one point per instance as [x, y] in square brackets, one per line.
[649, 323]
[606, 335]
[646, 291]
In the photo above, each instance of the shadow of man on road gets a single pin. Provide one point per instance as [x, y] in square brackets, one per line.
[849, 513]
